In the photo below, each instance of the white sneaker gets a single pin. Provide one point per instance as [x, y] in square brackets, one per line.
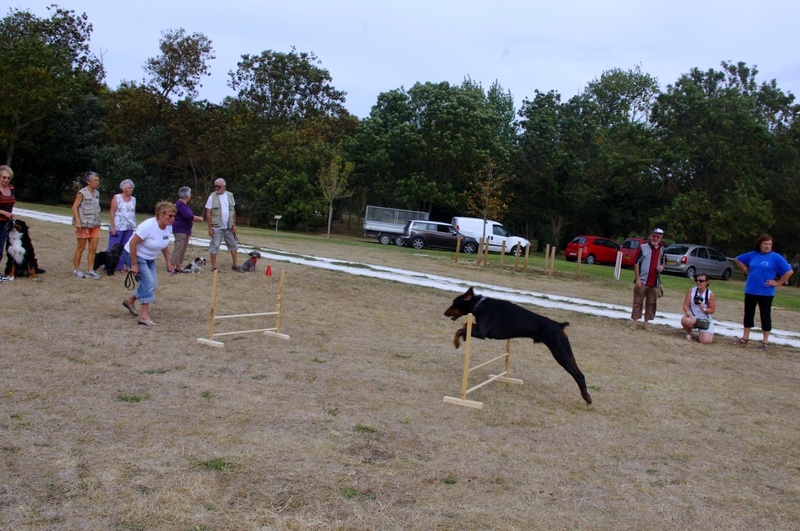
[92, 274]
[77, 273]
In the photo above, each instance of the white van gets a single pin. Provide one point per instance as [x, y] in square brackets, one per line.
[495, 233]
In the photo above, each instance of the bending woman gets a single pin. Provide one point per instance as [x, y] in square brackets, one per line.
[151, 236]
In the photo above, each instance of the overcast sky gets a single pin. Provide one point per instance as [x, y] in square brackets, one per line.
[373, 46]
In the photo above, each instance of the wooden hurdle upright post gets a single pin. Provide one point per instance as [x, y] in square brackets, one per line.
[552, 262]
[503, 376]
[275, 331]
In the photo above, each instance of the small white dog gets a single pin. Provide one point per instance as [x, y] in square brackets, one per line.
[196, 266]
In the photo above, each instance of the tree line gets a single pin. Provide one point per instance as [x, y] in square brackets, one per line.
[712, 159]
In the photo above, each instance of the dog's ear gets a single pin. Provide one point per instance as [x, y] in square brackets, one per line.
[469, 294]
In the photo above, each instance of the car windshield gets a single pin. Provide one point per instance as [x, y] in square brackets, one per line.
[676, 249]
[579, 240]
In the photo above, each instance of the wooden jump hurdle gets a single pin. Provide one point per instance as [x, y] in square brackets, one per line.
[503, 376]
[214, 317]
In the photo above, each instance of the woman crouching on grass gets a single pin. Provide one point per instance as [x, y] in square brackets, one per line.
[151, 236]
[699, 303]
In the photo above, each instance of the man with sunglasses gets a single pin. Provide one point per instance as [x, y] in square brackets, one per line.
[699, 303]
[221, 218]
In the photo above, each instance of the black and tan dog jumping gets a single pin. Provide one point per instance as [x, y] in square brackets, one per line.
[499, 319]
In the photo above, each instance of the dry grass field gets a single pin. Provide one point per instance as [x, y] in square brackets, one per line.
[108, 425]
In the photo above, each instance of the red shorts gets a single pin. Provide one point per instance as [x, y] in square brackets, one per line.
[87, 234]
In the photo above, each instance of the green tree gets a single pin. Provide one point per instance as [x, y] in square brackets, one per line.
[285, 88]
[558, 148]
[418, 148]
[182, 64]
[716, 130]
[333, 184]
[46, 65]
[622, 102]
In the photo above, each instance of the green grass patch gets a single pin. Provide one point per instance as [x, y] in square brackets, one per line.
[360, 428]
[131, 398]
[217, 465]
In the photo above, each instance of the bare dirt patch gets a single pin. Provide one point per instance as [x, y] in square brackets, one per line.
[108, 424]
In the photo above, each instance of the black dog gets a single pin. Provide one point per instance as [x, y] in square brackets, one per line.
[19, 250]
[108, 259]
[498, 319]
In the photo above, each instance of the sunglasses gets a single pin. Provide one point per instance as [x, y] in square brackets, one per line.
[700, 280]
[169, 215]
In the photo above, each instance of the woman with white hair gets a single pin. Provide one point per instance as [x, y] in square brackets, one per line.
[123, 218]
[182, 228]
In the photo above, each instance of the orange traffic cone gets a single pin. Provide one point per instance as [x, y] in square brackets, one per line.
[268, 271]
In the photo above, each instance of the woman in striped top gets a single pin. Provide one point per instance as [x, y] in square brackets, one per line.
[7, 201]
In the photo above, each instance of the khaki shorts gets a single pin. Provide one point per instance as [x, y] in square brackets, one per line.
[216, 240]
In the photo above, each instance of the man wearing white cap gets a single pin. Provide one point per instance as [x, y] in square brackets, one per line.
[650, 263]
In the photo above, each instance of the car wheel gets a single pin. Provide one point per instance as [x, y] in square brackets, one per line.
[417, 242]
[691, 272]
[726, 274]
[398, 241]
[385, 239]
[590, 259]
[469, 248]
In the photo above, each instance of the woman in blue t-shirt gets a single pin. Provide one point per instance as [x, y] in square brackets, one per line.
[761, 267]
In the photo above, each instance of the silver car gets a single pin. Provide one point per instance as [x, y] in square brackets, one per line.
[690, 259]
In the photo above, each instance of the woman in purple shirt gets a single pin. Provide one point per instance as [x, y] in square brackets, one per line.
[182, 227]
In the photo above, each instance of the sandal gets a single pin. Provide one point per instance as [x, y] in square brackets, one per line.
[741, 341]
[147, 322]
[764, 347]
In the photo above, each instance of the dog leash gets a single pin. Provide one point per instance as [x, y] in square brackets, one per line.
[130, 281]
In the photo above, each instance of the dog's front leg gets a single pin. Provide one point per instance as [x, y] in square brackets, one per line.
[461, 332]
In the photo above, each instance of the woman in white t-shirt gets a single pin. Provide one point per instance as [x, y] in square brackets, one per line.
[699, 303]
[151, 236]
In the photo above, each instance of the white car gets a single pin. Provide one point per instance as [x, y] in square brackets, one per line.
[495, 233]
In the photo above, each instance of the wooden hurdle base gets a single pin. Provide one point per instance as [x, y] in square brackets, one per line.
[275, 331]
[502, 377]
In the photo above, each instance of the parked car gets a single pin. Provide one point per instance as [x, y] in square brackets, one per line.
[630, 250]
[494, 231]
[595, 250]
[421, 233]
[690, 259]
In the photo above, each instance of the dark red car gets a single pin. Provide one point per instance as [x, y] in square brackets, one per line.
[630, 250]
[595, 249]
